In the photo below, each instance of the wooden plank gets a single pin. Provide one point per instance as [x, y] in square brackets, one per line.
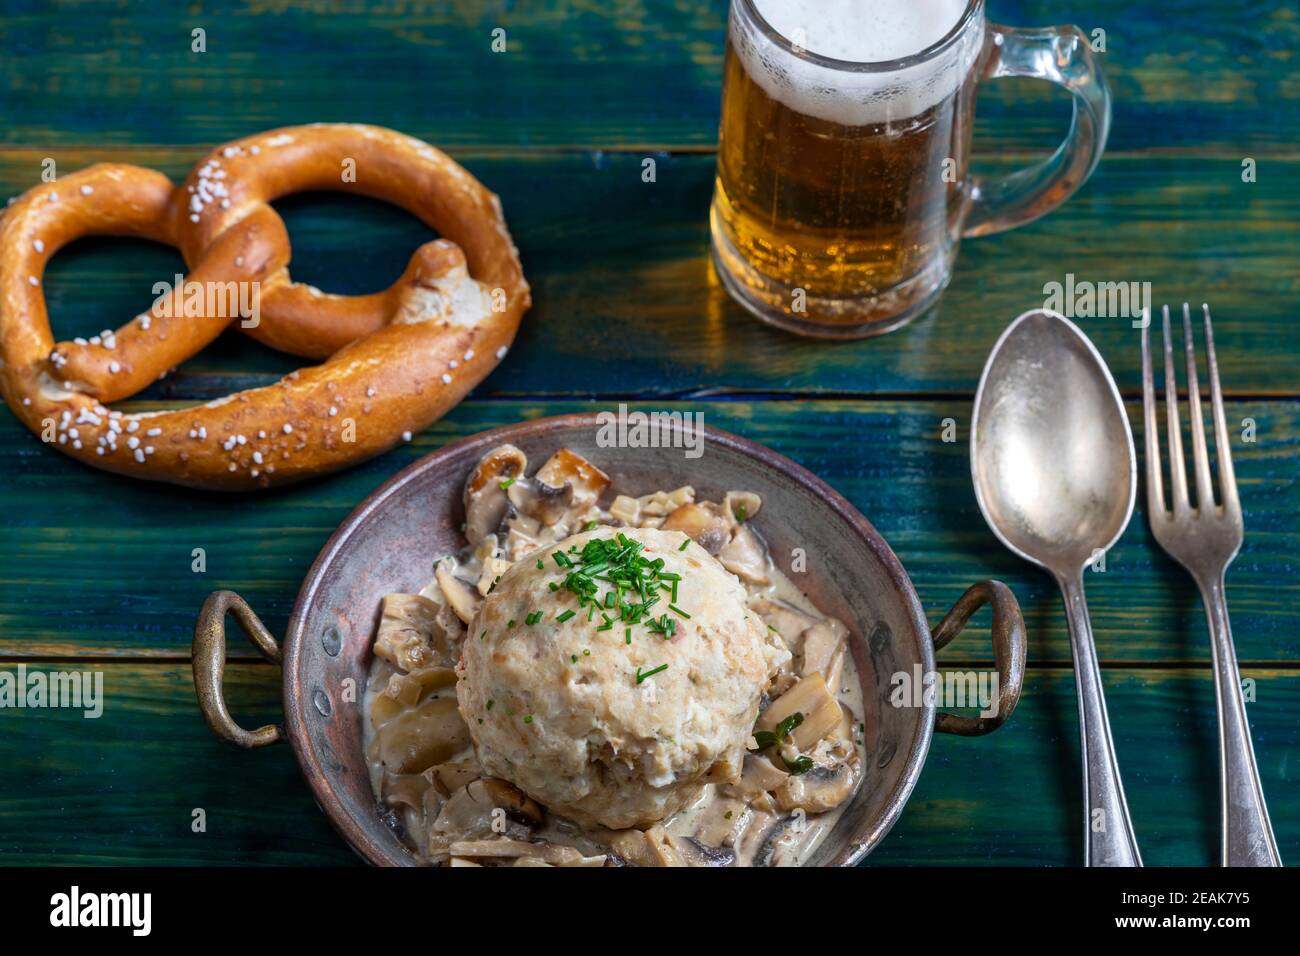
[122, 788]
[1019, 800]
[624, 291]
[98, 565]
[1199, 76]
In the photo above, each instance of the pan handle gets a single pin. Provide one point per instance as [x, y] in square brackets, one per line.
[1008, 634]
[209, 661]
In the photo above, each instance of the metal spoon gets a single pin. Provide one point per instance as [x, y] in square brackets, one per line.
[1055, 476]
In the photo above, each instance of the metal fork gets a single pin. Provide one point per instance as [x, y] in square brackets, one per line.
[1204, 539]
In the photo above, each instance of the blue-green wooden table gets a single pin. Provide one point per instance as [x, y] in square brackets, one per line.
[95, 571]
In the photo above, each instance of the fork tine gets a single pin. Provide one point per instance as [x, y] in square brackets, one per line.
[1151, 428]
[1177, 467]
[1222, 444]
[1200, 454]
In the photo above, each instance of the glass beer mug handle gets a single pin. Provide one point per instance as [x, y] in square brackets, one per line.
[1063, 56]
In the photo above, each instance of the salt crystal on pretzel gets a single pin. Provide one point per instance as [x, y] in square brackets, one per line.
[389, 355]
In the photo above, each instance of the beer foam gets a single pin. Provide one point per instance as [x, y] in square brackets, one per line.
[860, 32]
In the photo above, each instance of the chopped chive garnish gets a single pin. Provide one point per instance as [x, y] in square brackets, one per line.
[614, 574]
[533, 618]
[490, 703]
[505, 483]
[573, 658]
[586, 652]
[627, 635]
[528, 718]
[591, 525]
[541, 565]
[742, 513]
[511, 623]
[650, 673]
[676, 610]
[685, 544]
[483, 635]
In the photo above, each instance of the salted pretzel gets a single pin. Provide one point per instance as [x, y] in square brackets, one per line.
[395, 361]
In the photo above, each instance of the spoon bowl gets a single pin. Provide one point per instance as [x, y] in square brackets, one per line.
[1052, 452]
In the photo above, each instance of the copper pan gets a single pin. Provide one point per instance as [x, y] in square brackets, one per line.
[389, 542]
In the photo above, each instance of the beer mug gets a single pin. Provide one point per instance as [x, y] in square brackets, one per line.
[843, 186]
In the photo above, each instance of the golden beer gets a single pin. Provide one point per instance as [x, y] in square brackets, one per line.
[843, 186]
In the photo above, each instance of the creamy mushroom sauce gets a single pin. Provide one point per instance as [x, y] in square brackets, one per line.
[422, 765]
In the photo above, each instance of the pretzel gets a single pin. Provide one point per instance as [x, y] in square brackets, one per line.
[395, 361]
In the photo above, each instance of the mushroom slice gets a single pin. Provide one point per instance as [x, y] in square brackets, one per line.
[550, 505]
[788, 621]
[661, 848]
[631, 846]
[383, 709]
[532, 861]
[508, 849]
[760, 776]
[824, 649]
[745, 557]
[471, 813]
[449, 777]
[693, 852]
[757, 841]
[420, 737]
[458, 861]
[506, 796]
[742, 505]
[722, 819]
[414, 632]
[809, 697]
[461, 597]
[652, 847]
[781, 843]
[486, 504]
[566, 467]
[832, 780]
[407, 689]
[488, 547]
[493, 568]
[452, 627]
[523, 536]
[703, 522]
[662, 503]
[626, 510]
[726, 769]
[403, 789]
